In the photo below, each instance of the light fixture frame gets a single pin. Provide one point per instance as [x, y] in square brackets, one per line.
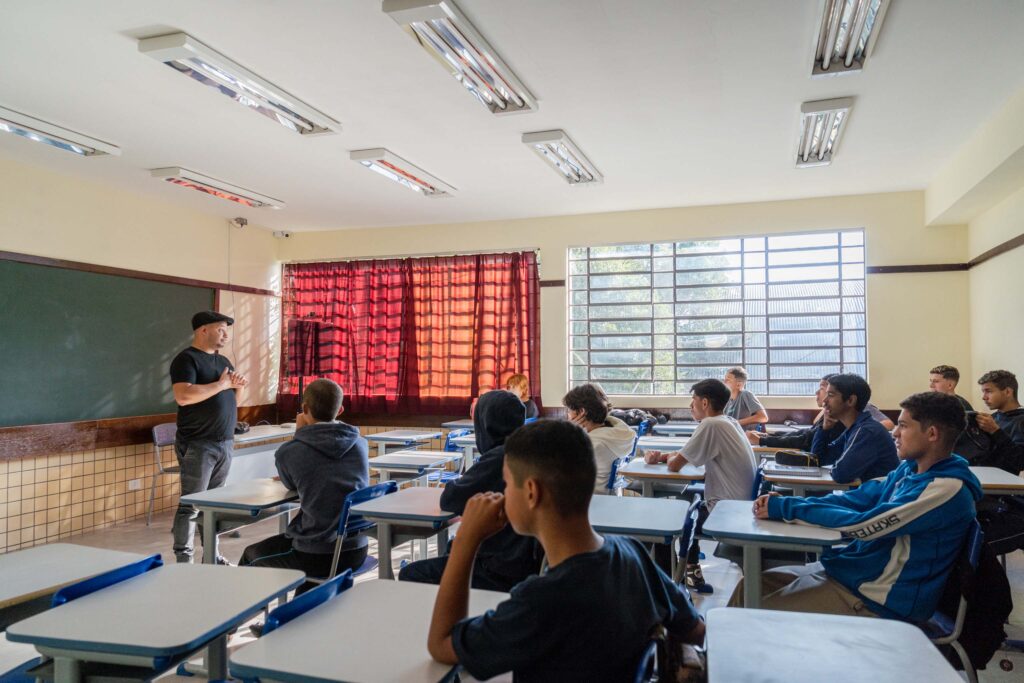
[173, 47]
[828, 34]
[371, 157]
[407, 13]
[52, 133]
[560, 137]
[837, 115]
[175, 174]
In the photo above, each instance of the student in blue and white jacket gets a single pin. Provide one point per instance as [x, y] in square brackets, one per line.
[905, 531]
[865, 450]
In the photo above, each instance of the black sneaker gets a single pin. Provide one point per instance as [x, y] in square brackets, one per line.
[182, 558]
[223, 561]
[256, 629]
[695, 579]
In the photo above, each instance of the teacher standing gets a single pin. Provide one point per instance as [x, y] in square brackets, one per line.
[206, 389]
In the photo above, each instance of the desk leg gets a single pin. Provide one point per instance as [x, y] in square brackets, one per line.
[442, 541]
[648, 488]
[384, 570]
[382, 448]
[66, 670]
[467, 458]
[751, 577]
[282, 521]
[675, 560]
[217, 659]
[209, 536]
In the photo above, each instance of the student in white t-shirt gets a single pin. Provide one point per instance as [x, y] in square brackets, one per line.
[743, 405]
[720, 445]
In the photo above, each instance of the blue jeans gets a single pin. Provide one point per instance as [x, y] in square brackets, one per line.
[204, 465]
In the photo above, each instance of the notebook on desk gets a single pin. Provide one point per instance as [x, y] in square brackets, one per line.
[776, 468]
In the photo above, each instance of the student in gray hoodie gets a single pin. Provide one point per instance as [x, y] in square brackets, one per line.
[324, 462]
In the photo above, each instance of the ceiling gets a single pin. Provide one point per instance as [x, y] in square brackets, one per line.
[676, 103]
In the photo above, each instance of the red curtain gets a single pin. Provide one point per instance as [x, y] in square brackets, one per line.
[422, 335]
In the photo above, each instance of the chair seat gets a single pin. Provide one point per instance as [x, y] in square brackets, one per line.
[696, 488]
[20, 674]
[368, 565]
[939, 626]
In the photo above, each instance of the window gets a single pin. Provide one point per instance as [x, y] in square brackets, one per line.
[651, 319]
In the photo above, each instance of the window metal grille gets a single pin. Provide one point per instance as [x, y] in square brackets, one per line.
[652, 319]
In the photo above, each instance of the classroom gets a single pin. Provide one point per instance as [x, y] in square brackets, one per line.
[667, 341]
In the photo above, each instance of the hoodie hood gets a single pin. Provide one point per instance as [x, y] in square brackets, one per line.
[329, 439]
[498, 413]
[616, 435]
[954, 467]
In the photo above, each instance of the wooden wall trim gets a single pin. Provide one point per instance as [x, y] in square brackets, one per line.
[923, 268]
[552, 283]
[125, 272]
[90, 435]
[1006, 246]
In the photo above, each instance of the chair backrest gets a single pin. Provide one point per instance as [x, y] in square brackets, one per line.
[449, 446]
[647, 667]
[758, 480]
[632, 451]
[163, 434]
[644, 428]
[108, 578]
[307, 601]
[689, 522]
[960, 578]
[349, 523]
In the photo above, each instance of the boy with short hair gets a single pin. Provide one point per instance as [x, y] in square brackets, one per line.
[719, 445]
[325, 461]
[996, 440]
[588, 406]
[865, 450]
[590, 617]
[803, 439]
[906, 531]
[944, 378]
[743, 406]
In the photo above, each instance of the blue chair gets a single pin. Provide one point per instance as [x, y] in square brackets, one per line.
[686, 540]
[349, 525]
[163, 436]
[449, 445]
[308, 600]
[647, 668]
[529, 420]
[758, 480]
[945, 629]
[20, 673]
[108, 578]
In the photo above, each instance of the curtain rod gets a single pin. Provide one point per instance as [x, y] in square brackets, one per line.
[408, 256]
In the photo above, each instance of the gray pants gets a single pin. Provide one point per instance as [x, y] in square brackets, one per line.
[204, 465]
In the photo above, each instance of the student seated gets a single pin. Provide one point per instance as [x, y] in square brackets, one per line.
[944, 378]
[591, 615]
[802, 439]
[612, 438]
[996, 440]
[906, 531]
[324, 462]
[865, 449]
[519, 385]
[743, 406]
[720, 446]
[506, 558]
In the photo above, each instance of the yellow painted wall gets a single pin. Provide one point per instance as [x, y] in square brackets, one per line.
[996, 318]
[907, 334]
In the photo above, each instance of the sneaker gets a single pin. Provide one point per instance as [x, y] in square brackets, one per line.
[223, 561]
[256, 629]
[182, 558]
[695, 579]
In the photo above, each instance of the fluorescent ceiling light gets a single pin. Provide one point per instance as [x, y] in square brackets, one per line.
[217, 188]
[445, 32]
[558, 150]
[402, 172]
[185, 54]
[821, 124]
[847, 35]
[49, 134]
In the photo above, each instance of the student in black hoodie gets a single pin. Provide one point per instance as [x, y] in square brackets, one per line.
[506, 558]
[324, 462]
[995, 440]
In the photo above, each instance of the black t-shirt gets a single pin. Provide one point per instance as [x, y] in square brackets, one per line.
[588, 619]
[213, 419]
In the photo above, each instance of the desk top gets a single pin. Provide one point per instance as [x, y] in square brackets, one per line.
[779, 430]
[413, 504]
[667, 443]
[995, 478]
[763, 645]
[382, 626]
[413, 460]
[403, 436]
[166, 612]
[252, 495]
[775, 474]
[44, 569]
[734, 520]
[638, 469]
[263, 432]
[465, 423]
[634, 516]
[675, 428]
[465, 440]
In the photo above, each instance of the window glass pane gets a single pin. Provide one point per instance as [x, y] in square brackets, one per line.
[654, 318]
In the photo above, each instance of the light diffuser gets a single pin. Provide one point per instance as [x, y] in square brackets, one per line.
[559, 151]
[217, 188]
[821, 124]
[397, 169]
[847, 35]
[38, 130]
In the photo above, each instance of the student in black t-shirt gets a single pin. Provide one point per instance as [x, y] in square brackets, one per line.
[590, 617]
[206, 389]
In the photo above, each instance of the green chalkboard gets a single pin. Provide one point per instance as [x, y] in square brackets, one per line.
[77, 346]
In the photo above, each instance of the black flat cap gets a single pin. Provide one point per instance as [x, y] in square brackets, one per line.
[206, 317]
